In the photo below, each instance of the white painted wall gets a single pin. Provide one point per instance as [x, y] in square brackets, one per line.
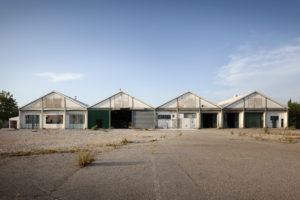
[280, 114]
[166, 123]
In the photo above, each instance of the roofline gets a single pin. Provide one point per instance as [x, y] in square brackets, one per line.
[247, 95]
[53, 91]
[117, 94]
[188, 92]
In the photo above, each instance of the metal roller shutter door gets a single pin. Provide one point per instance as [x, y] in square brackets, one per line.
[253, 120]
[143, 119]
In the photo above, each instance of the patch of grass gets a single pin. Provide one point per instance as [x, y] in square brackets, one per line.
[124, 141]
[266, 130]
[242, 134]
[146, 129]
[153, 140]
[84, 158]
[180, 133]
[115, 146]
[292, 128]
[41, 151]
[94, 128]
[232, 133]
[162, 136]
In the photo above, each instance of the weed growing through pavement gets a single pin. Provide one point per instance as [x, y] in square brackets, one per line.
[84, 158]
[266, 130]
[124, 141]
[180, 133]
[152, 150]
[153, 140]
[162, 136]
[232, 133]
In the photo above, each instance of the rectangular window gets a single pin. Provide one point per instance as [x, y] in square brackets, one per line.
[164, 116]
[32, 119]
[54, 119]
[76, 119]
[189, 115]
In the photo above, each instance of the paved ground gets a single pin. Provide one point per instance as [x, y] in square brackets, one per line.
[196, 165]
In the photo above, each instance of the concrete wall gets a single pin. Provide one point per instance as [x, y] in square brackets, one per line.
[281, 115]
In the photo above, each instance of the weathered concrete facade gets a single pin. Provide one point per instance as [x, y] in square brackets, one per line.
[188, 111]
[253, 110]
[124, 111]
[53, 111]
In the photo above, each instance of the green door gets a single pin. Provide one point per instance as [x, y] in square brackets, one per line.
[253, 120]
[99, 118]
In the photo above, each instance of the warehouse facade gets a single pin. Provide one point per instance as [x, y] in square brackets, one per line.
[188, 111]
[121, 110]
[53, 111]
[253, 110]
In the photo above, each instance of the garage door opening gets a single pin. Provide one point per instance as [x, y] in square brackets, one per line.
[209, 120]
[231, 120]
[121, 118]
[253, 120]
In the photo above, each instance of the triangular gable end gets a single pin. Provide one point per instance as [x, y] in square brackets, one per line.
[255, 100]
[53, 100]
[121, 100]
[188, 100]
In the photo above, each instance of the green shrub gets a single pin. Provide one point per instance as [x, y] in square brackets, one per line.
[84, 158]
[1, 124]
[95, 127]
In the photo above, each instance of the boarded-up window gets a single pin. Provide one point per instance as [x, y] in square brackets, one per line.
[54, 119]
[76, 119]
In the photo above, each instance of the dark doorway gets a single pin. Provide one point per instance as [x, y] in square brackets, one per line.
[121, 118]
[99, 123]
[232, 120]
[209, 120]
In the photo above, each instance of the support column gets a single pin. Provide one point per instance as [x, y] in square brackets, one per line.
[154, 118]
[265, 119]
[221, 120]
[200, 119]
[19, 121]
[86, 119]
[42, 115]
[109, 118]
[242, 120]
[65, 114]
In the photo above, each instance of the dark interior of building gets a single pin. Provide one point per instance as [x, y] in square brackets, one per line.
[121, 118]
[232, 120]
[209, 120]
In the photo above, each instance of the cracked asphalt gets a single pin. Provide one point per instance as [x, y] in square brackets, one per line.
[196, 165]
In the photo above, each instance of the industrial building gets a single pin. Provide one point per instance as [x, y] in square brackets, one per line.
[253, 110]
[188, 111]
[121, 110]
[53, 111]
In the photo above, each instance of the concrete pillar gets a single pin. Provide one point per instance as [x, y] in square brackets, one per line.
[86, 120]
[154, 118]
[42, 119]
[200, 119]
[220, 121]
[242, 119]
[19, 121]
[265, 119]
[65, 114]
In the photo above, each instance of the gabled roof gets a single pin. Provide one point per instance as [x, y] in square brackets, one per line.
[121, 92]
[228, 102]
[67, 97]
[188, 92]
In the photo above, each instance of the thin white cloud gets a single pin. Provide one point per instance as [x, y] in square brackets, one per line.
[58, 77]
[275, 71]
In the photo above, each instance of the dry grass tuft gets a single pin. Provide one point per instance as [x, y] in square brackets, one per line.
[84, 158]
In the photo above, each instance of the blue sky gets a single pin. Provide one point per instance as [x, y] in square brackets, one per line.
[154, 50]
